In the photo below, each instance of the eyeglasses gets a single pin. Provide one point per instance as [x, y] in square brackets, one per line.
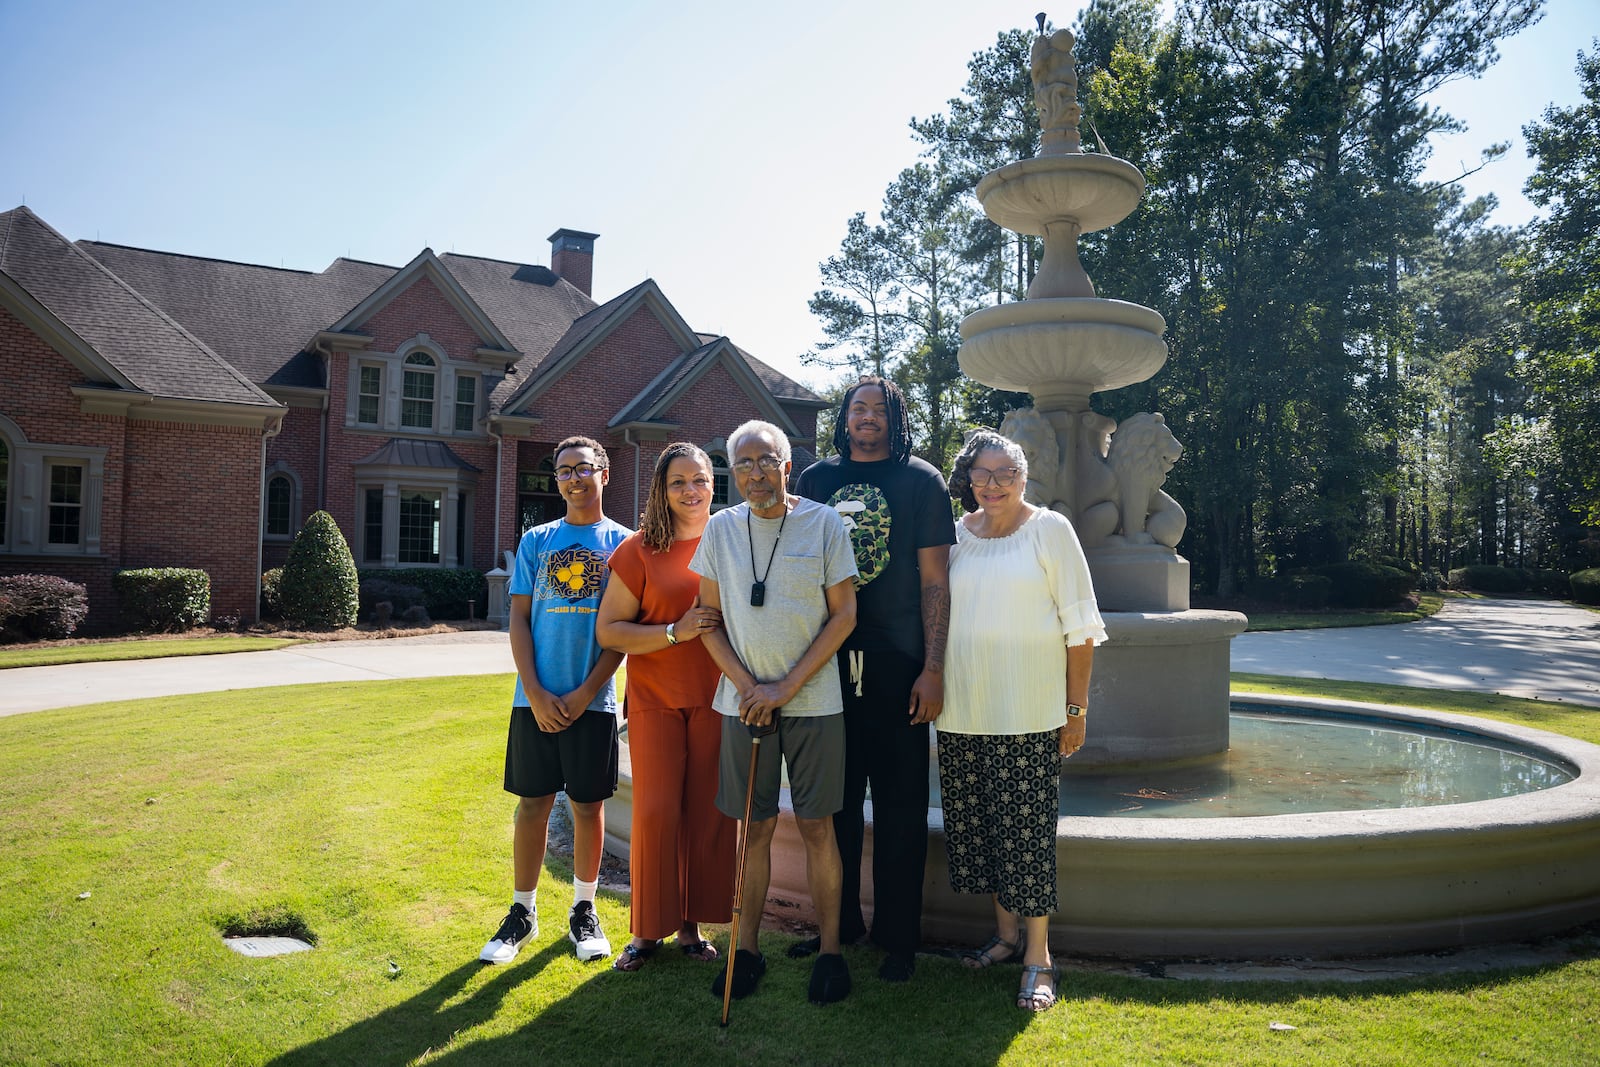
[582, 470]
[768, 464]
[1003, 477]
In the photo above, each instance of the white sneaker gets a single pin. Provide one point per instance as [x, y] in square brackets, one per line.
[519, 925]
[583, 930]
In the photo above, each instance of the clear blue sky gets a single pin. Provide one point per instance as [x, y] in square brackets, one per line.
[718, 147]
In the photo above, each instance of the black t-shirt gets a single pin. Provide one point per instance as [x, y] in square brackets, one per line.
[891, 509]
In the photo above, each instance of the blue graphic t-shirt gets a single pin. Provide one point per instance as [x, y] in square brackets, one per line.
[563, 567]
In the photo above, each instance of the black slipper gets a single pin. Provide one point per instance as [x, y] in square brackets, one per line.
[898, 967]
[830, 979]
[748, 967]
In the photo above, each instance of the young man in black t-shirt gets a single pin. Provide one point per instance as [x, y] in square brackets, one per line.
[891, 668]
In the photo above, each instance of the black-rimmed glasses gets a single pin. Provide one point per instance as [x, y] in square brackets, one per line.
[582, 470]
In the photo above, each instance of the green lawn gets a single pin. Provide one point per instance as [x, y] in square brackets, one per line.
[1427, 604]
[372, 813]
[137, 648]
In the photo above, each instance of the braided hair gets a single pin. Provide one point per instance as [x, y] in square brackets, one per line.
[655, 522]
[899, 425]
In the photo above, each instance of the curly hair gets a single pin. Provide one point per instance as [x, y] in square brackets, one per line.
[980, 441]
[899, 425]
[579, 441]
[655, 522]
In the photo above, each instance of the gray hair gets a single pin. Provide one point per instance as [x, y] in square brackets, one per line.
[757, 428]
[978, 442]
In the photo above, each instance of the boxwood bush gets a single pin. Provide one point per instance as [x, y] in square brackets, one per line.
[1488, 578]
[319, 586]
[1586, 586]
[163, 599]
[444, 592]
[40, 607]
[271, 602]
[1365, 585]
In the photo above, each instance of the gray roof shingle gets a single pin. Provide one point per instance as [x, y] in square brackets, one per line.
[132, 333]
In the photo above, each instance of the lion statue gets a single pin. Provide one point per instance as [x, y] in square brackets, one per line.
[1098, 504]
[1037, 438]
[1142, 451]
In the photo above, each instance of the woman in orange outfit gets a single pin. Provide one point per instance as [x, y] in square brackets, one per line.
[682, 848]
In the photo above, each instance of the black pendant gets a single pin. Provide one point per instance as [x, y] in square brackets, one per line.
[758, 594]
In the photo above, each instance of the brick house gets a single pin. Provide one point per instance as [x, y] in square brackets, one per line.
[169, 410]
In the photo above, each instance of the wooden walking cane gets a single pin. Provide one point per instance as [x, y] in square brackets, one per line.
[756, 734]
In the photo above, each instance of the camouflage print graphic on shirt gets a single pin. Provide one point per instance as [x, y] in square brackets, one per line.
[866, 515]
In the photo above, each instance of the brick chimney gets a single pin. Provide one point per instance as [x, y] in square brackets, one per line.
[572, 257]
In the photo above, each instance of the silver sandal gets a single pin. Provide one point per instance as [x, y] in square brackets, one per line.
[1029, 996]
[979, 958]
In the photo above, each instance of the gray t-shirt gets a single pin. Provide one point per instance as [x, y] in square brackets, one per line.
[813, 555]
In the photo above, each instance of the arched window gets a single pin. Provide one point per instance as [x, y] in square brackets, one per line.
[280, 506]
[418, 389]
[721, 482]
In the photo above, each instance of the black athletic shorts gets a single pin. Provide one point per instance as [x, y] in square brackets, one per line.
[580, 760]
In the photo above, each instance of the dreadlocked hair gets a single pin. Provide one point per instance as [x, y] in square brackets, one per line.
[899, 425]
[655, 522]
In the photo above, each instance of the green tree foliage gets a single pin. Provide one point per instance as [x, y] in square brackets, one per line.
[319, 586]
[1558, 275]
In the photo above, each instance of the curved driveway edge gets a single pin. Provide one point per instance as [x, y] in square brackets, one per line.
[1542, 649]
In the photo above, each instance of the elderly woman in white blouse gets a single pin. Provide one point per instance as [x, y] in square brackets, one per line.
[1023, 624]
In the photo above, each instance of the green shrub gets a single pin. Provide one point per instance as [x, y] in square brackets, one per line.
[444, 592]
[271, 601]
[1365, 585]
[1487, 578]
[40, 607]
[319, 585]
[163, 599]
[399, 596]
[1586, 586]
[1552, 583]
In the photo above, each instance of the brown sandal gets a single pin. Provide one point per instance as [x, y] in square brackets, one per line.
[979, 958]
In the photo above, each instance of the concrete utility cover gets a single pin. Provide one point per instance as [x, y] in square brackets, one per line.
[260, 947]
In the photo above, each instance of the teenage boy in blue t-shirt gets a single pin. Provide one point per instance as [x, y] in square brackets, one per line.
[563, 733]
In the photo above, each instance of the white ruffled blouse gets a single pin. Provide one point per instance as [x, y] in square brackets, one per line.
[1016, 603]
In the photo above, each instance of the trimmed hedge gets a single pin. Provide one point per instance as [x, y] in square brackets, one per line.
[1586, 586]
[319, 586]
[40, 607]
[1552, 583]
[1488, 578]
[397, 595]
[1365, 585]
[1307, 591]
[163, 599]
[445, 593]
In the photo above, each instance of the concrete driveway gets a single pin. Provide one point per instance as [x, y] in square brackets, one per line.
[1523, 648]
[431, 656]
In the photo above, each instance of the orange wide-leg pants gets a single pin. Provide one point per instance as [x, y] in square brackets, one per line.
[682, 849]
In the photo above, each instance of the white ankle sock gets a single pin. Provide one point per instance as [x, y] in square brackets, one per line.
[525, 898]
[583, 890]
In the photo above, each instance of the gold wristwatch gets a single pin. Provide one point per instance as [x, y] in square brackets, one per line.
[1075, 711]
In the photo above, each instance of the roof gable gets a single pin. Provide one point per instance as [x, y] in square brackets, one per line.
[679, 376]
[426, 264]
[104, 325]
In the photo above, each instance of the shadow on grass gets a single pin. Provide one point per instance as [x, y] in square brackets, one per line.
[666, 1014]
[427, 1021]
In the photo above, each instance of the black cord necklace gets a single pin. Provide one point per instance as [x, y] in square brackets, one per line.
[758, 591]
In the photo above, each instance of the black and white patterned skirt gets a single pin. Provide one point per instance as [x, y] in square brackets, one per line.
[1001, 800]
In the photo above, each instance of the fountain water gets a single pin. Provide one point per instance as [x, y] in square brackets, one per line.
[1305, 883]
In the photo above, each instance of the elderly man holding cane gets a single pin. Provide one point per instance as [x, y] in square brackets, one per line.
[780, 569]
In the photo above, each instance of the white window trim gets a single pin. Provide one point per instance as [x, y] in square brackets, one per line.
[281, 470]
[28, 495]
[715, 449]
[391, 377]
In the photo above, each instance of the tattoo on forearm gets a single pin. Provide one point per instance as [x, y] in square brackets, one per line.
[935, 624]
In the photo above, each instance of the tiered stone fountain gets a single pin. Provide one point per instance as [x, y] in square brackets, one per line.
[1366, 879]
[1161, 682]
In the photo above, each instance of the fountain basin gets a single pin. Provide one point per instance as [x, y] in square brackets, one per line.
[1316, 884]
[1080, 345]
[1091, 189]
